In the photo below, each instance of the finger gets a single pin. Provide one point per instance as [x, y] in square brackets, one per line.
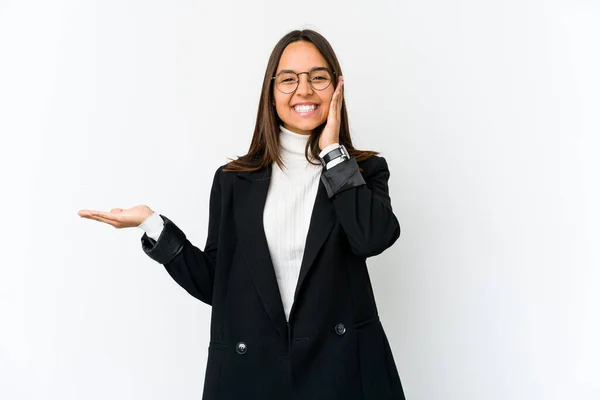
[332, 110]
[335, 97]
[339, 90]
[106, 215]
[90, 212]
[105, 220]
[336, 102]
[86, 213]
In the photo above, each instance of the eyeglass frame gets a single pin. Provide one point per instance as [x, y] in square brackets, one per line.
[308, 78]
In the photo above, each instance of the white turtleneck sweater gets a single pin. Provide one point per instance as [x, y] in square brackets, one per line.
[288, 208]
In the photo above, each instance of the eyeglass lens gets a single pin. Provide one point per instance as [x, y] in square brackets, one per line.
[319, 79]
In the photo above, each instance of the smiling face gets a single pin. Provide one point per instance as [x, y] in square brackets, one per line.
[302, 57]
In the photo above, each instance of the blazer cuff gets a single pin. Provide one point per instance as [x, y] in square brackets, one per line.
[344, 176]
[169, 243]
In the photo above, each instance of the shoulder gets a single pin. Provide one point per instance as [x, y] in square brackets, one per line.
[225, 176]
[220, 174]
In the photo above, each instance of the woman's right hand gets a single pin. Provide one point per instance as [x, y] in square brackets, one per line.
[118, 217]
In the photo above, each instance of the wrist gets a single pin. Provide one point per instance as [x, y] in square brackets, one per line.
[153, 226]
[328, 148]
[333, 154]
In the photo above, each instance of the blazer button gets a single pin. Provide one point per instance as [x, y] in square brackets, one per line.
[340, 329]
[241, 348]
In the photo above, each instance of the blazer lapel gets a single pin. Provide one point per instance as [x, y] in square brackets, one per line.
[321, 221]
[250, 193]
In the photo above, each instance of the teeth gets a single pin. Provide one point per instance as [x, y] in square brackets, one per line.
[305, 108]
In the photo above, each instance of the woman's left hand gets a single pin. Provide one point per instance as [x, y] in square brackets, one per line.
[331, 132]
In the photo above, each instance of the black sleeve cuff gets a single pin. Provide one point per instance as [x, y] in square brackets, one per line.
[342, 176]
[169, 243]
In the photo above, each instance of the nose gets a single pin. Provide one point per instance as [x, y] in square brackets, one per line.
[303, 85]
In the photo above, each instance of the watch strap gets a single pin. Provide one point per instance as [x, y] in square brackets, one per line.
[335, 153]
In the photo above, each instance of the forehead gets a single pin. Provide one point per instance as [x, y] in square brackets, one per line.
[301, 56]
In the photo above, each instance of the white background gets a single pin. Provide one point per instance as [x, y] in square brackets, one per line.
[488, 115]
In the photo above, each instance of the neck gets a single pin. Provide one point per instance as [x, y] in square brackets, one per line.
[292, 144]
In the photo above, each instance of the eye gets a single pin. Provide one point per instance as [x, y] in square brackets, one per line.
[287, 79]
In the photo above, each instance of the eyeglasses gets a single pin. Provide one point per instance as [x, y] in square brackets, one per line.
[319, 78]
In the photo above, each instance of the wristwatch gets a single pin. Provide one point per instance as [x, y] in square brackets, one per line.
[339, 151]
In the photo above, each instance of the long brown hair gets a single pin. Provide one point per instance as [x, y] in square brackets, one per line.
[264, 148]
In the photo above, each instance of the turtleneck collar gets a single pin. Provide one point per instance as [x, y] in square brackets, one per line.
[292, 144]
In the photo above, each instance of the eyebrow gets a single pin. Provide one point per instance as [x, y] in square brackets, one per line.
[291, 70]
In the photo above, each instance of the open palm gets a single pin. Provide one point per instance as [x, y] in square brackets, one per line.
[119, 217]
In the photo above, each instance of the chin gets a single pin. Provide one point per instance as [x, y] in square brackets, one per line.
[305, 126]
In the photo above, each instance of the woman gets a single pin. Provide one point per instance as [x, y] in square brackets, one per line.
[290, 227]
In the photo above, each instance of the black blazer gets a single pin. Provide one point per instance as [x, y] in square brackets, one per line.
[334, 345]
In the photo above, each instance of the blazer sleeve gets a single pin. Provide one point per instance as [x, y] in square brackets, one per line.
[192, 268]
[363, 207]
